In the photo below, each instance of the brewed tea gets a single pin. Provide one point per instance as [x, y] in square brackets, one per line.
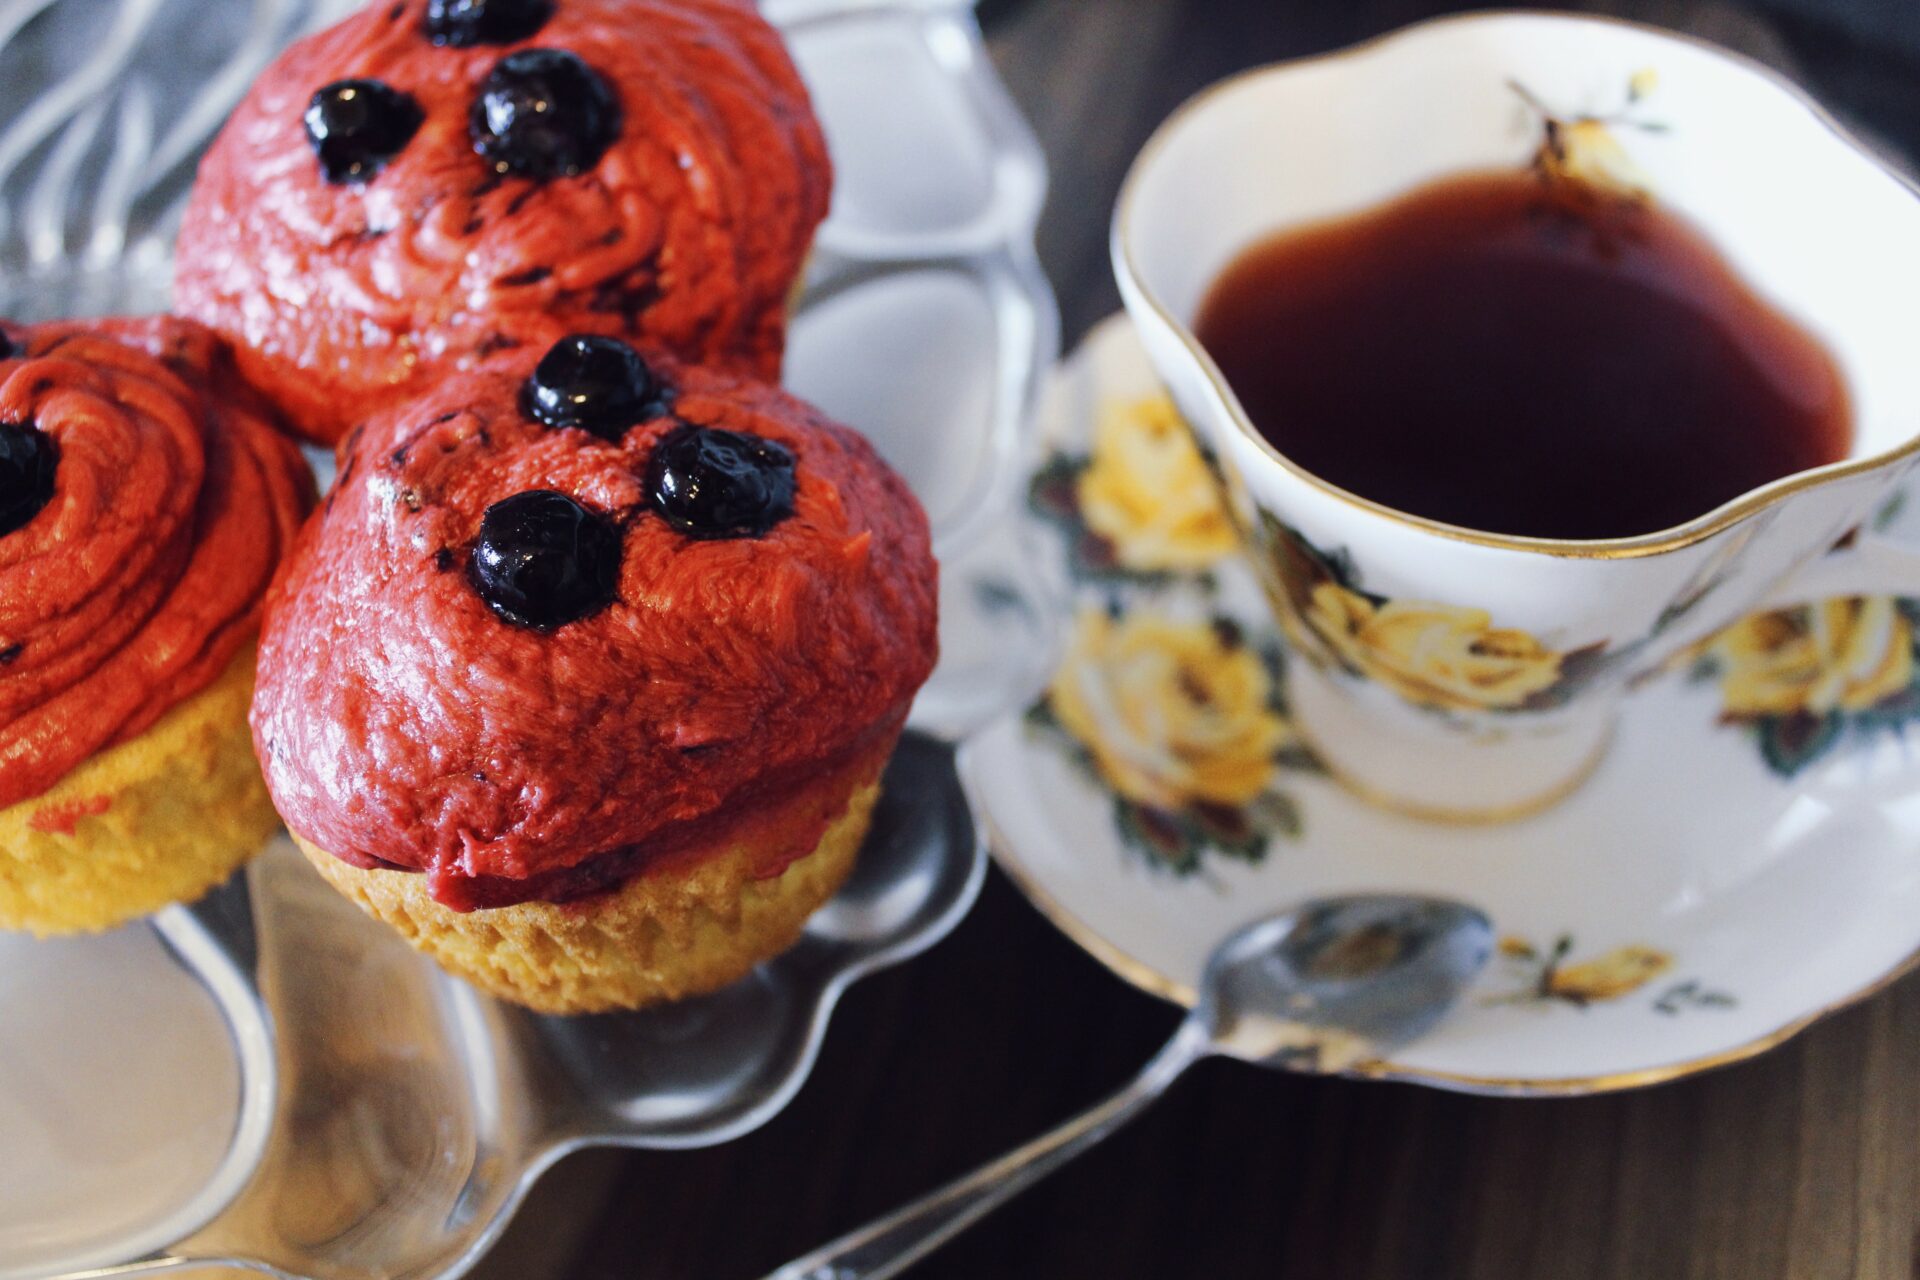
[1523, 357]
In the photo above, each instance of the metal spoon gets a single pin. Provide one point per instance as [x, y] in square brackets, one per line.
[1317, 989]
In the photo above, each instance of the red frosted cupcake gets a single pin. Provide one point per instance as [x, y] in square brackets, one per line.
[586, 676]
[145, 501]
[435, 181]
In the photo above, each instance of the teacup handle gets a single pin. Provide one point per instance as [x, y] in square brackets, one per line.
[1872, 565]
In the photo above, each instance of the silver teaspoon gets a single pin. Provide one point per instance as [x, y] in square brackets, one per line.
[1317, 988]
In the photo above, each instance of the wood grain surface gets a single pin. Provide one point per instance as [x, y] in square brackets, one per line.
[1804, 1163]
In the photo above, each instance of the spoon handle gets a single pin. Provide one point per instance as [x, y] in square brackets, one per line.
[890, 1245]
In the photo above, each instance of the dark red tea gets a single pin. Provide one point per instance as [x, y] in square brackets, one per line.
[1522, 357]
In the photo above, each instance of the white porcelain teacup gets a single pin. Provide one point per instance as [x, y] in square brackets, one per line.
[1466, 675]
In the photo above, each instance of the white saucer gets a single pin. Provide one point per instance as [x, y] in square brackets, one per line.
[1717, 885]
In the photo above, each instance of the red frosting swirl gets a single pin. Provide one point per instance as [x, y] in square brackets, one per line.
[402, 723]
[140, 579]
[690, 231]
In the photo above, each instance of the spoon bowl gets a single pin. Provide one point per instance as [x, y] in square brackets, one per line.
[1321, 986]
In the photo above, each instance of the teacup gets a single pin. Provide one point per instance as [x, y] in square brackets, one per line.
[1465, 675]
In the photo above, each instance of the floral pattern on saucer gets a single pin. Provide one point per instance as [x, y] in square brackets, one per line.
[1183, 723]
[1804, 681]
[1549, 977]
[1182, 720]
[1619, 972]
[1143, 504]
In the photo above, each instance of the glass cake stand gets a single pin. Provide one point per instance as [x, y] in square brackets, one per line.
[267, 1079]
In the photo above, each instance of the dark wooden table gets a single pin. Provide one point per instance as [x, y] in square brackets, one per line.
[1803, 1163]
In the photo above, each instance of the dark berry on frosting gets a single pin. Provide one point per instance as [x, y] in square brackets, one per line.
[543, 113]
[594, 383]
[720, 484]
[461, 24]
[357, 126]
[28, 459]
[542, 560]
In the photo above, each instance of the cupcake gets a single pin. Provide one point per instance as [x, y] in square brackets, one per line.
[436, 181]
[586, 675]
[145, 501]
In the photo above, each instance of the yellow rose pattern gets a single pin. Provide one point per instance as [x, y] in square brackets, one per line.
[1145, 503]
[1450, 658]
[1182, 722]
[1175, 715]
[1550, 976]
[1802, 681]
[1433, 654]
[1149, 491]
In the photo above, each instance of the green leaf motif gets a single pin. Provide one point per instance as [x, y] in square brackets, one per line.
[1691, 994]
[1790, 743]
[1054, 496]
[1179, 841]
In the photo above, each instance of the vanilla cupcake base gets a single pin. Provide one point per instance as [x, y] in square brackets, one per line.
[161, 818]
[669, 932]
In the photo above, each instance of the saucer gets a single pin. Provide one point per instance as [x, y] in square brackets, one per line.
[1744, 860]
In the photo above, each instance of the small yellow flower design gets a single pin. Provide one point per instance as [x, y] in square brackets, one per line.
[1611, 976]
[1448, 657]
[1173, 714]
[1619, 972]
[1148, 491]
[1840, 655]
[1588, 151]
[1433, 654]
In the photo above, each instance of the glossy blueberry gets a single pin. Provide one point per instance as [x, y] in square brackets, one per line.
[543, 113]
[7, 347]
[357, 126]
[720, 484]
[542, 560]
[461, 24]
[28, 459]
[594, 383]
